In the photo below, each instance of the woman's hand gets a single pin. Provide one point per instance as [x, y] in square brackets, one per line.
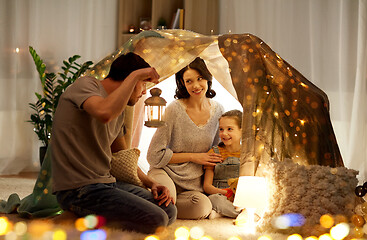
[207, 159]
[161, 194]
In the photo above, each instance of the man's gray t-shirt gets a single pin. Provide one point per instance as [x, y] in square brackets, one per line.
[81, 145]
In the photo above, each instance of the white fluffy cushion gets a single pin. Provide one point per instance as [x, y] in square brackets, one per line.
[309, 190]
[124, 166]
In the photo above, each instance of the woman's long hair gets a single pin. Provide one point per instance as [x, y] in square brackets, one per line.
[199, 65]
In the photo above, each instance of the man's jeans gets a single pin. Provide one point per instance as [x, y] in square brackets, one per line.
[134, 207]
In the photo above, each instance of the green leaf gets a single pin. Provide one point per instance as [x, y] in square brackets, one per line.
[40, 66]
[39, 96]
[66, 64]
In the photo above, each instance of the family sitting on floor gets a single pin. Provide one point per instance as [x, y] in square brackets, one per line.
[189, 168]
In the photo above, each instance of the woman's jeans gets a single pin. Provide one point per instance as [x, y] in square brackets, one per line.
[133, 207]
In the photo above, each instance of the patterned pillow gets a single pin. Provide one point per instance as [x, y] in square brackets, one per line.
[124, 166]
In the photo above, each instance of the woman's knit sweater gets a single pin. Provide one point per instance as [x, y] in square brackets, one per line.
[182, 135]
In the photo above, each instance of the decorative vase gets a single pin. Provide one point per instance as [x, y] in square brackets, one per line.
[42, 153]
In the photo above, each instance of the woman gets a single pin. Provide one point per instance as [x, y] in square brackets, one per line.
[179, 150]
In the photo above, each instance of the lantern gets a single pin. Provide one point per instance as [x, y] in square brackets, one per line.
[154, 109]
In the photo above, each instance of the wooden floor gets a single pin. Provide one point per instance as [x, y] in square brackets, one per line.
[27, 175]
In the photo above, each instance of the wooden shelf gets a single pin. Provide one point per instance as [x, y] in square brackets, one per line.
[200, 16]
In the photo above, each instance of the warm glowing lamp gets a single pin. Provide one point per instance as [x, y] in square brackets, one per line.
[154, 109]
[251, 194]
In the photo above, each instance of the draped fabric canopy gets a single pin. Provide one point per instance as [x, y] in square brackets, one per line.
[327, 42]
[284, 114]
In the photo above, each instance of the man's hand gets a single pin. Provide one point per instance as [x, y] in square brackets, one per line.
[147, 75]
[161, 193]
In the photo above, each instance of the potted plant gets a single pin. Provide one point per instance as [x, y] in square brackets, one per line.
[53, 85]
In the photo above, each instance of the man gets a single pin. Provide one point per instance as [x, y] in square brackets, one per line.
[88, 127]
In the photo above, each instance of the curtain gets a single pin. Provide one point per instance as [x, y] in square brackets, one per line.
[57, 30]
[327, 42]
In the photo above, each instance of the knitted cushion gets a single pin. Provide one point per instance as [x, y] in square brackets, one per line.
[308, 190]
[124, 166]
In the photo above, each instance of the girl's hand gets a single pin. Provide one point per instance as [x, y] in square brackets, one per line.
[207, 159]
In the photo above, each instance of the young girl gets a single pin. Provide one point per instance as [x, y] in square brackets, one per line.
[215, 180]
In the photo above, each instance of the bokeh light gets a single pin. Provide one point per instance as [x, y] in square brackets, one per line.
[80, 225]
[101, 221]
[358, 220]
[327, 221]
[340, 219]
[311, 238]
[37, 228]
[98, 234]
[49, 235]
[364, 207]
[340, 231]
[294, 237]
[59, 235]
[365, 228]
[11, 236]
[264, 237]
[358, 232]
[152, 237]
[325, 236]
[91, 221]
[295, 219]
[281, 222]
[182, 233]
[196, 232]
[20, 228]
[4, 225]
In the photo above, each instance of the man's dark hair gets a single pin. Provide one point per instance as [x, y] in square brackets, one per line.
[126, 64]
[199, 65]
